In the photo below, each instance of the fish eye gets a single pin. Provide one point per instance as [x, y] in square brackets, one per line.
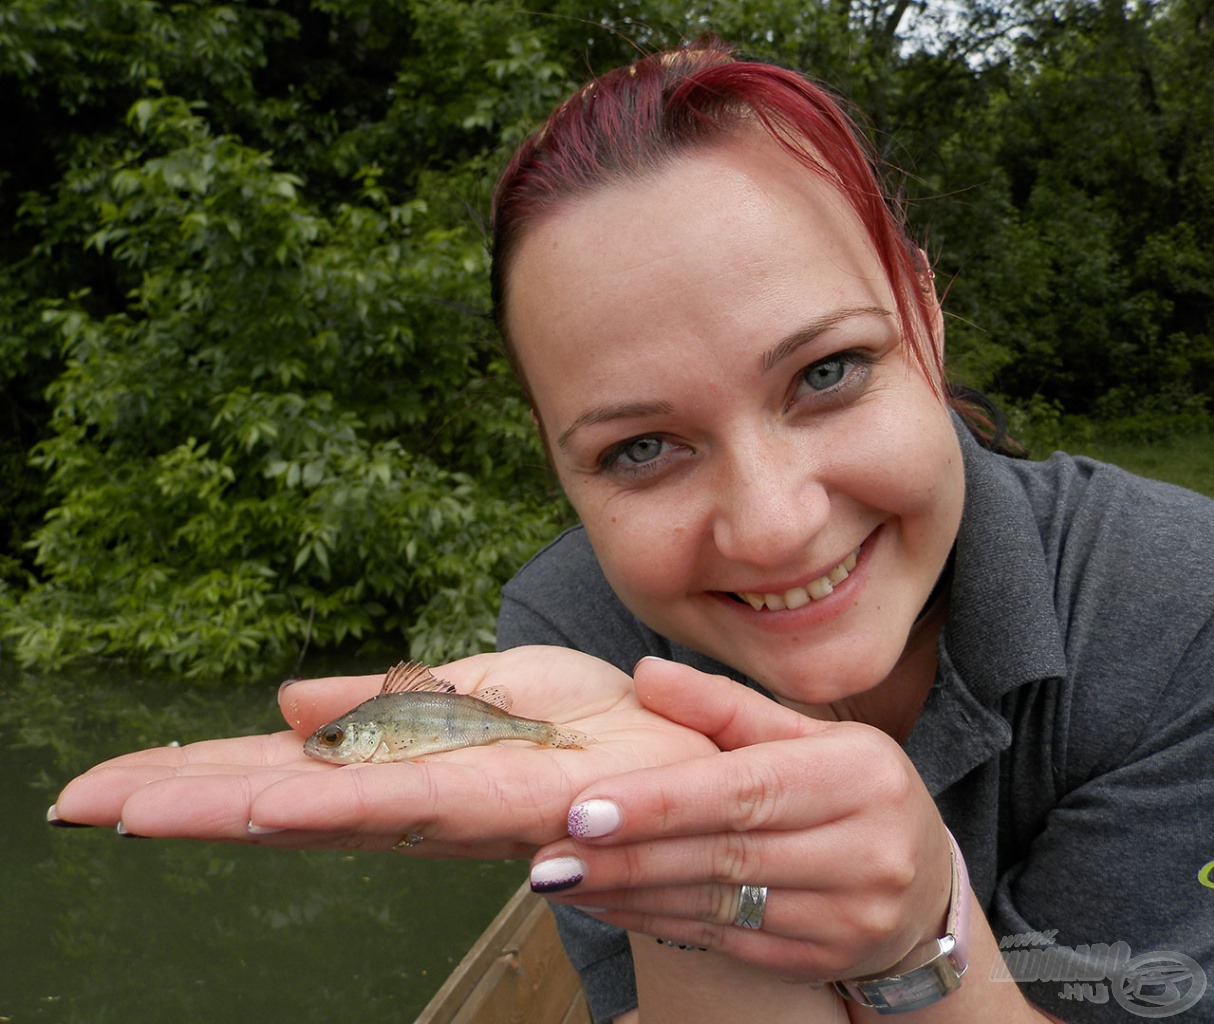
[332, 735]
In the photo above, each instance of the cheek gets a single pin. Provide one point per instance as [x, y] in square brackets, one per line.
[646, 546]
[648, 558]
[910, 461]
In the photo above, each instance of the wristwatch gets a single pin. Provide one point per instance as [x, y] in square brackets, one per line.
[932, 969]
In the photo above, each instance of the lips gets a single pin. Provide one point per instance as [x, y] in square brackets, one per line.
[798, 597]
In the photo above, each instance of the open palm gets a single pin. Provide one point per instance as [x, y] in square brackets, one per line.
[502, 800]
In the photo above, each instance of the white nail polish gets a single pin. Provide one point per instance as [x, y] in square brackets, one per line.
[593, 818]
[557, 874]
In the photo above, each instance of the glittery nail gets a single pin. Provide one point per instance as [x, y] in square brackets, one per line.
[557, 874]
[593, 818]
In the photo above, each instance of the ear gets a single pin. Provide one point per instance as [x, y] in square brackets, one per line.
[928, 282]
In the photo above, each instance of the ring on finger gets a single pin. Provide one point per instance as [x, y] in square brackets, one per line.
[752, 901]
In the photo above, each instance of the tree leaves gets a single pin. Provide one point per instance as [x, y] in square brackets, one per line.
[253, 406]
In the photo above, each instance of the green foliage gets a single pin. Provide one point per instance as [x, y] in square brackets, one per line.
[276, 419]
[250, 404]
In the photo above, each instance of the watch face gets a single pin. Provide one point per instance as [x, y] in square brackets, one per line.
[910, 992]
[915, 988]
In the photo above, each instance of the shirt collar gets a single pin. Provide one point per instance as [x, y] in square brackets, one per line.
[1001, 632]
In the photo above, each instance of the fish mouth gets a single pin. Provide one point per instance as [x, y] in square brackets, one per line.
[797, 597]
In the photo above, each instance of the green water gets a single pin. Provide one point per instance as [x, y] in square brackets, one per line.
[98, 928]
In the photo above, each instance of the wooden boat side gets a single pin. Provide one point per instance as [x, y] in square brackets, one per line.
[515, 973]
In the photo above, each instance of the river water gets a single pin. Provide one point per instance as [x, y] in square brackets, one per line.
[98, 928]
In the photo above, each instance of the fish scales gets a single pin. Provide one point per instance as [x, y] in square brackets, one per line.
[416, 714]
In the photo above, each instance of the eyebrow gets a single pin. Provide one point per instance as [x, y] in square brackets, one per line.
[807, 333]
[771, 358]
[618, 411]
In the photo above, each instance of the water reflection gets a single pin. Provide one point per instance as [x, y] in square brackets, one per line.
[100, 928]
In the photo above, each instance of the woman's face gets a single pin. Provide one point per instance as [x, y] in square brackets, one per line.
[717, 370]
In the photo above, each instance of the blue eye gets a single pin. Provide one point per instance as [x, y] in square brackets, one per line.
[641, 450]
[837, 378]
[825, 374]
[636, 456]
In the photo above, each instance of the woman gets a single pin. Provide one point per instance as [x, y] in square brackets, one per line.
[734, 358]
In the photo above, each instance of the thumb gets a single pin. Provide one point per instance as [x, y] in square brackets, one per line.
[728, 713]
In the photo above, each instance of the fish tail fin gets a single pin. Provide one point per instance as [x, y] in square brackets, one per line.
[568, 739]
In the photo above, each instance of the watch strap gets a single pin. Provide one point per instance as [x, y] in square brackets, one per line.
[931, 970]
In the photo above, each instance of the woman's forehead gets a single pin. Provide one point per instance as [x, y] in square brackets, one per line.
[720, 222]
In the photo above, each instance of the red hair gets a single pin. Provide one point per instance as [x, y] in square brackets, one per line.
[636, 120]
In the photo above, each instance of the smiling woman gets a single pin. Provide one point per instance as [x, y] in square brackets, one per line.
[707, 379]
[734, 354]
[862, 695]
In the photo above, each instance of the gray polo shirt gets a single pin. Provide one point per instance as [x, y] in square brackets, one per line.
[1068, 740]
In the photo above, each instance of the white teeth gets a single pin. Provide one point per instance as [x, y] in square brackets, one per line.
[820, 588]
[795, 598]
[798, 597]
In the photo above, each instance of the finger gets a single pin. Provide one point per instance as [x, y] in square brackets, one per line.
[211, 806]
[97, 796]
[728, 713]
[792, 913]
[461, 802]
[788, 784]
[791, 959]
[812, 859]
[265, 750]
[307, 704]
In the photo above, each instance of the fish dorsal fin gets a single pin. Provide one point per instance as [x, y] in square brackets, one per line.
[412, 676]
[495, 696]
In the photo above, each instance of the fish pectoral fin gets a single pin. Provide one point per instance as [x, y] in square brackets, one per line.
[382, 753]
[411, 677]
[495, 696]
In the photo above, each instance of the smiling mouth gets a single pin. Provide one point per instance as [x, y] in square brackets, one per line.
[798, 597]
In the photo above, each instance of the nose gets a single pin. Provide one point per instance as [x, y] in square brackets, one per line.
[770, 503]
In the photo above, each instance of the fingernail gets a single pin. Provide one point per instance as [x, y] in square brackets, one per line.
[285, 683]
[589, 910]
[261, 830]
[593, 818]
[648, 657]
[557, 874]
[121, 830]
[52, 818]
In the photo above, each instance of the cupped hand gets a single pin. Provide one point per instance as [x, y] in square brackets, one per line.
[831, 817]
[501, 800]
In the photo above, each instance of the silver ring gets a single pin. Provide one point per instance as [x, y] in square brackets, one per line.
[751, 904]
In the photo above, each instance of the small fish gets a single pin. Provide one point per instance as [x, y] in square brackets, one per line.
[416, 713]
